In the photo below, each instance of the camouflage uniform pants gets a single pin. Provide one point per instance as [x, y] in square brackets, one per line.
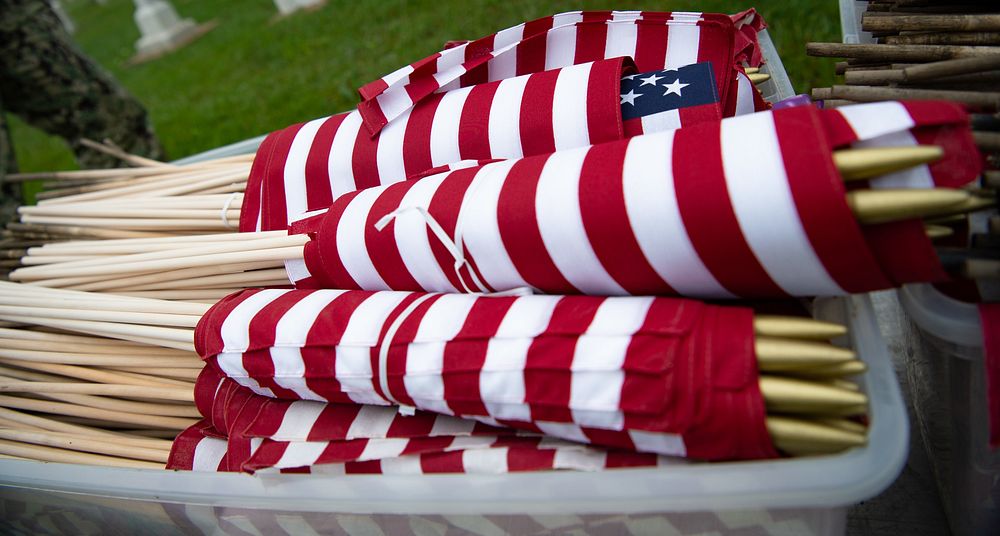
[46, 80]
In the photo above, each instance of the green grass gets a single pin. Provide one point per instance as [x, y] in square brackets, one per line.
[254, 73]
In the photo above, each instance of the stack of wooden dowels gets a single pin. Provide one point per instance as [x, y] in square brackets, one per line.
[923, 50]
[91, 373]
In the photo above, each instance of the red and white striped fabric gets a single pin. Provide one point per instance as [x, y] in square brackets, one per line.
[617, 372]
[306, 166]
[655, 40]
[751, 206]
[199, 449]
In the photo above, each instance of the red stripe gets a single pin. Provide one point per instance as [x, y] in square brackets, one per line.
[374, 353]
[364, 162]
[547, 370]
[518, 224]
[650, 45]
[818, 193]
[632, 127]
[274, 212]
[381, 245]
[373, 89]
[396, 359]
[692, 115]
[421, 81]
[838, 129]
[420, 424]
[473, 125]
[262, 332]
[535, 122]
[465, 355]
[319, 362]
[591, 37]
[947, 127]
[604, 112]
[330, 267]
[477, 54]
[716, 44]
[372, 117]
[420, 445]
[530, 459]
[606, 221]
[531, 50]
[444, 206]
[331, 322]
[319, 193]
[255, 181]
[342, 451]
[442, 462]
[417, 138]
[267, 421]
[709, 219]
[905, 252]
[334, 422]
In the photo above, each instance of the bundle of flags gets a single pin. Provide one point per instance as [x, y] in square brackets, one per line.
[598, 153]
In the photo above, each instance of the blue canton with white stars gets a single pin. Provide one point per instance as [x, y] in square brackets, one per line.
[649, 93]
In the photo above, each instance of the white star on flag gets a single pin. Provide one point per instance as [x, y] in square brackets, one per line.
[675, 87]
[630, 97]
[651, 79]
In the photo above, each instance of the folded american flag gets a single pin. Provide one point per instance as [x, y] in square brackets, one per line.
[658, 375]
[668, 99]
[655, 40]
[305, 167]
[751, 206]
[199, 448]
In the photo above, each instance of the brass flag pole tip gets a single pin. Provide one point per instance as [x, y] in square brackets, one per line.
[799, 437]
[796, 327]
[776, 354]
[803, 397]
[865, 163]
[758, 78]
[938, 231]
[842, 370]
[886, 205]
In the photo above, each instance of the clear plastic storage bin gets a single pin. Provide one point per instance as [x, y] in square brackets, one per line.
[790, 496]
[950, 403]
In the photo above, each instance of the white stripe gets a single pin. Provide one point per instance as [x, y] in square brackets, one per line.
[298, 421]
[651, 203]
[340, 165]
[413, 239]
[504, 65]
[683, 41]
[563, 430]
[501, 379]
[449, 65]
[444, 319]
[763, 203]
[296, 196]
[504, 128]
[377, 449]
[875, 119]
[560, 223]
[301, 454]
[351, 246]
[560, 41]
[208, 454]
[569, 118]
[353, 364]
[399, 75]
[290, 371]
[444, 127]
[451, 426]
[293, 327]
[394, 102]
[296, 270]
[580, 459]
[389, 151]
[661, 121]
[527, 317]
[403, 465]
[235, 329]
[744, 95]
[371, 422]
[233, 368]
[622, 35]
[425, 356]
[368, 318]
[485, 461]
[914, 177]
[477, 222]
[660, 443]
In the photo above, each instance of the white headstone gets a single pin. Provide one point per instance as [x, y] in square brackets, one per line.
[288, 6]
[159, 26]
